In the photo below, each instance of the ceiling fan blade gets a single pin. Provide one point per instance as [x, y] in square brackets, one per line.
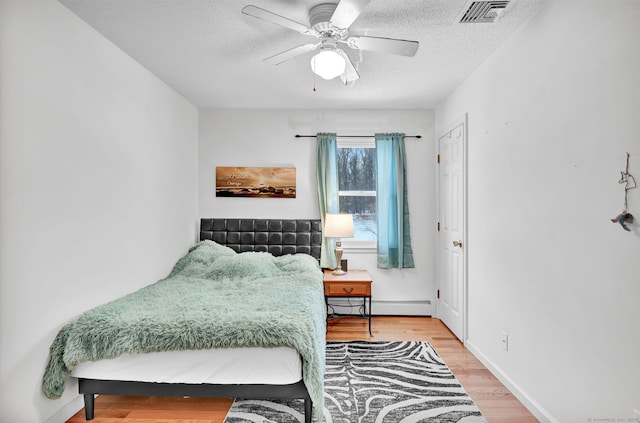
[384, 45]
[350, 73]
[347, 12]
[260, 13]
[290, 54]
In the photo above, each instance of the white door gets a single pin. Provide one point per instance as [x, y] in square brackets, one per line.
[451, 246]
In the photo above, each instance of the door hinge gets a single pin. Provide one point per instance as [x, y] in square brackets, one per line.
[438, 158]
[438, 226]
[438, 294]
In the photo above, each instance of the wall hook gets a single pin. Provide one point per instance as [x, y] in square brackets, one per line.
[630, 183]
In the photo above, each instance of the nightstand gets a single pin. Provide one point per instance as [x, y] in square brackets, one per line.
[354, 283]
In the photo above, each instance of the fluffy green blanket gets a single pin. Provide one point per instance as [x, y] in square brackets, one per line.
[213, 298]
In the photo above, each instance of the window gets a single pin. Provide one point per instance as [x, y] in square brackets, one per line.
[356, 163]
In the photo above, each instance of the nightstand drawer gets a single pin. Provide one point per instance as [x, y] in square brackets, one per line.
[345, 289]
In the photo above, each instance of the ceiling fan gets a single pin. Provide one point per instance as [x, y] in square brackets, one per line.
[330, 22]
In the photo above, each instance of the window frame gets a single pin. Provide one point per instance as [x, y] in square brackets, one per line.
[348, 243]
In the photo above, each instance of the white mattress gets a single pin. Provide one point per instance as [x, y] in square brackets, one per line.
[275, 366]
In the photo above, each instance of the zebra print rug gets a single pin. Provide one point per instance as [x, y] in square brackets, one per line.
[381, 382]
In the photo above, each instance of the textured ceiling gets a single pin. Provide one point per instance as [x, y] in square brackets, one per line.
[212, 53]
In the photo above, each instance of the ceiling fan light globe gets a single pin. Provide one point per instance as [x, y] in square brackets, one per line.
[328, 64]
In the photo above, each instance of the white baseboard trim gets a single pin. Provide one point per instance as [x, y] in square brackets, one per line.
[68, 411]
[534, 408]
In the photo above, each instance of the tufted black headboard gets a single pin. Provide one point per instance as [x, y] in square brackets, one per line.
[276, 236]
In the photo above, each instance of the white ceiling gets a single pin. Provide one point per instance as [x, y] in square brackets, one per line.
[212, 54]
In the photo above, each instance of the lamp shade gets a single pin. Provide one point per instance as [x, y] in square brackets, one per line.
[328, 64]
[338, 225]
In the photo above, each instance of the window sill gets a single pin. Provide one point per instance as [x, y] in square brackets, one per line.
[367, 247]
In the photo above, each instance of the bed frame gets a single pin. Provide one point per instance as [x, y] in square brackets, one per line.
[276, 236]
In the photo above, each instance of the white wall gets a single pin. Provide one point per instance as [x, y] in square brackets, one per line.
[266, 138]
[551, 116]
[98, 187]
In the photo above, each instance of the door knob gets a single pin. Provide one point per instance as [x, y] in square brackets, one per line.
[457, 244]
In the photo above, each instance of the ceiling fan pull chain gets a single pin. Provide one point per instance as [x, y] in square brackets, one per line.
[314, 78]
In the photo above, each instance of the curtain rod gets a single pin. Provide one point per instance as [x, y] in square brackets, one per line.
[354, 136]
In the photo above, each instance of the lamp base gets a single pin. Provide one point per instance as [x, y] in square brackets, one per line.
[338, 270]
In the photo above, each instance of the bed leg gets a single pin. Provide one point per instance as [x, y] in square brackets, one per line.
[308, 408]
[88, 406]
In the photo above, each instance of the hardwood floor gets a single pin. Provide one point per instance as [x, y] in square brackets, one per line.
[497, 404]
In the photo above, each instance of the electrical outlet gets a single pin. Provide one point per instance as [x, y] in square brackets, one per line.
[505, 341]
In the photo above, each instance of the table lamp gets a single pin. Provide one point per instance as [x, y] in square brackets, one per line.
[338, 225]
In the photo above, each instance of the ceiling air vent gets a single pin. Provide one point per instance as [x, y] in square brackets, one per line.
[484, 11]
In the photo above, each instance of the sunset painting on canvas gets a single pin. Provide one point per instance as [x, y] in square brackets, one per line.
[264, 182]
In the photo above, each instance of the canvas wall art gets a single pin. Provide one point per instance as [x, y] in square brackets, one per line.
[261, 182]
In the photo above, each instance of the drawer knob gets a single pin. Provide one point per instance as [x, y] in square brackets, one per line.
[348, 291]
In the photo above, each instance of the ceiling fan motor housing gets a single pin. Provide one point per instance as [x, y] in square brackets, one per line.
[321, 13]
[320, 20]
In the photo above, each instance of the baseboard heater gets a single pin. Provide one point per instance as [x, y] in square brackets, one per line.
[349, 306]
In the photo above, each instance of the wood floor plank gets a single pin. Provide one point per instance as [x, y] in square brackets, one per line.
[178, 414]
[495, 401]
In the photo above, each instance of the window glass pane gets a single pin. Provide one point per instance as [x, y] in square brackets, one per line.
[357, 169]
[356, 163]
[363, 209]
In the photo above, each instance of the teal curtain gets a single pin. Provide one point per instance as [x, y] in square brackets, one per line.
[327, 173]
[394, 239]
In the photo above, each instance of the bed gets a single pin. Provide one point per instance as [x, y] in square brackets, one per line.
[203, 331]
